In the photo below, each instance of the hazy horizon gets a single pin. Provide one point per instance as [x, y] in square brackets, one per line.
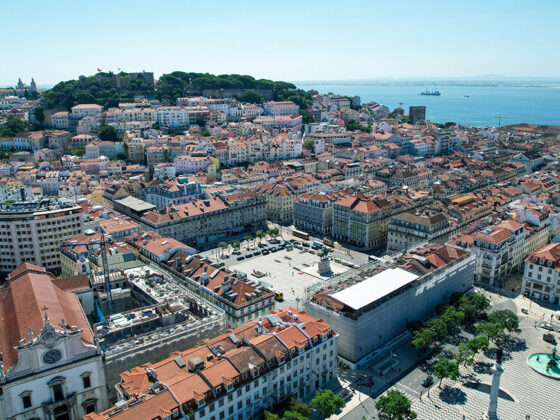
[449, 80]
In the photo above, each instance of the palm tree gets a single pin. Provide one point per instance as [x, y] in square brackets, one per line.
[260, 234]
[222, 246]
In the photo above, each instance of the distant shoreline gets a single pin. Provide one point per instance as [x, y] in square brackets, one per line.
[431, 84]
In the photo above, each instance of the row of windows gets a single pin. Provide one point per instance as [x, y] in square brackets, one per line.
[57, 392]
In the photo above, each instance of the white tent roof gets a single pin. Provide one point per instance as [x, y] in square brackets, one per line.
[374, 288]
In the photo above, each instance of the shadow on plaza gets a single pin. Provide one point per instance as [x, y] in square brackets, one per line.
[452, 395]
[427, 365]
[508, 344]
[486, 389]
[483, 367]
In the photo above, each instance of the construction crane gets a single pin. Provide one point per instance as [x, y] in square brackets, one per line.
[103, 250]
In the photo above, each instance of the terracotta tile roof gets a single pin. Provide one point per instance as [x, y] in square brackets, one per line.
[74, 283]
[22, 300]
[225, 359]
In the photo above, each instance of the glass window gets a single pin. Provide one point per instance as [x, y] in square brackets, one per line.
[26, 400]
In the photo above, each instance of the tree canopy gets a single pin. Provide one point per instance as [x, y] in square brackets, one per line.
[507, 319]
[445, 368]
[252, 96]
[103, 89]
[309, 145]
[12, 127]
[394, 406]
[39, 112]
[492, 330]
[327, 402]
[108, 132]
[352, 125]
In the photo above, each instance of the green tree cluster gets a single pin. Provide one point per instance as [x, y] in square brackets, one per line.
[394, 406]
[39, 113]
[176, 84]
[446, 368]
[13, 126]
[309, 145]
[252, 96]
[352, 125]
[79, 151]
[291, 411]
[101, 89]
[327, 402]
[461, 309]
[108, 132]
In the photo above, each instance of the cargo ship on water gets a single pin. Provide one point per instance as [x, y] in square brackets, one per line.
[433, 92]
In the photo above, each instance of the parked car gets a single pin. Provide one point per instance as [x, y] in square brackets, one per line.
[428, 382]
[525, 311]
[305, 244]
[265, 251]
[273, 249]
[241, 257]
[257, 252]
[249, 255]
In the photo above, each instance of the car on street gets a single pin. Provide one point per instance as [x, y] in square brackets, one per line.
[547, 326]
[257, 252]
[525, 311]
[428, 382]
[249, 255]
[241, 257]
[305, 244]
[273, 249]
[265, 251]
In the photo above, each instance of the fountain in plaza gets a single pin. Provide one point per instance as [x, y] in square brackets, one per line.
[545, 364]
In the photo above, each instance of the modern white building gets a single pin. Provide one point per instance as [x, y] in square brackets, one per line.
[172, 116]
[33, 232]
[280, 108]
[86, 110]
[371, 315]
[51, 367]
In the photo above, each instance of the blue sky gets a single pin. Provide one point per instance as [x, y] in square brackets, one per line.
[284, 40]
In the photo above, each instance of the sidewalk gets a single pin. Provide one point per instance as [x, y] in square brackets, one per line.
[356, 381]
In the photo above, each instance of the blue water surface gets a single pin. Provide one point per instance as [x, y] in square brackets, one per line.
[483, 106]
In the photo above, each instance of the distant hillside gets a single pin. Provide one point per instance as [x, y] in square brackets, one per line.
[108, 89]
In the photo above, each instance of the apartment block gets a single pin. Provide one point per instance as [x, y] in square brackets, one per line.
[235, 375]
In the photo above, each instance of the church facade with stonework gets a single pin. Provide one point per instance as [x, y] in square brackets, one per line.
[51, 366]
